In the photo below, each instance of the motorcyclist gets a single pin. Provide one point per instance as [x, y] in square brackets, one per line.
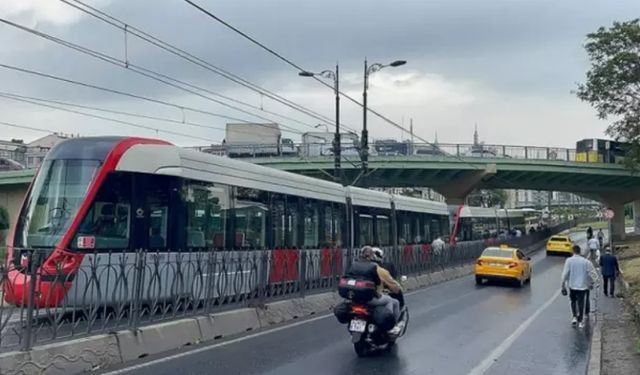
[379, 259]
[366, 268]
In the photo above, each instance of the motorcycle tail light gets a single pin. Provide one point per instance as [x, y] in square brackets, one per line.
[359, 310]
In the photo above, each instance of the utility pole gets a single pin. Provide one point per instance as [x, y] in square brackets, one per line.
[364, 152]
[337, 146]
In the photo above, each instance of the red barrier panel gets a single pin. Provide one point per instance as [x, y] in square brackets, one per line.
[284, 265]
[426, 252]
[330, 262]
[406, 256]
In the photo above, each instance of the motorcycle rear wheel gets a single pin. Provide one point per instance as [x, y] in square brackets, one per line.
[362, 348]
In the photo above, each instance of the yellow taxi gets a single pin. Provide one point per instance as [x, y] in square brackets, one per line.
[561, 245]
[503, 263]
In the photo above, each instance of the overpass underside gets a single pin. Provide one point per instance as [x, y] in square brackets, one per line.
[455, 178]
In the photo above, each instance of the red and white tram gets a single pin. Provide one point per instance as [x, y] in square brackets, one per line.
[97, 196]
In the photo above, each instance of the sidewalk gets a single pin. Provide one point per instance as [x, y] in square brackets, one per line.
[620, 337]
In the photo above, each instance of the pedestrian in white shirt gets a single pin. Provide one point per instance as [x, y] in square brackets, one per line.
[438, 246]
[593, 247]
[578, 274]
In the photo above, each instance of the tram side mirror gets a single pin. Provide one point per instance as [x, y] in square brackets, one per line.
[403, 278]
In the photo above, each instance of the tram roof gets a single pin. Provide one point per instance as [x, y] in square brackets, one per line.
[176, 161]
[404, 203]
[468, 211]
[369, 198]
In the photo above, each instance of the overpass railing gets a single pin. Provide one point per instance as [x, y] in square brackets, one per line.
[114, 290]
[315, 150]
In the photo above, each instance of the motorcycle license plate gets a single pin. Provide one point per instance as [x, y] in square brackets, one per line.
[357, 325]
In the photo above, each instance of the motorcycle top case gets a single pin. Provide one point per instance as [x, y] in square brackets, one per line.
[360, 291]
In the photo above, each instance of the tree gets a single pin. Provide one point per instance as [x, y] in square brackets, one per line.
[612, 86]
[487, 198]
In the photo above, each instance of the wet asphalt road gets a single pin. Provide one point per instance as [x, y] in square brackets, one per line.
[455, 328]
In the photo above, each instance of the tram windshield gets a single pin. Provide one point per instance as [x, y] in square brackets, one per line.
[57, 193]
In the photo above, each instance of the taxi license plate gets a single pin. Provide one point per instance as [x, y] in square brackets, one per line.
[498, 265]
[357, 325]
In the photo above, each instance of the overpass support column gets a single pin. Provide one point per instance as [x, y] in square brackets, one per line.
[455, 191]
[636, 217]
[618, 231]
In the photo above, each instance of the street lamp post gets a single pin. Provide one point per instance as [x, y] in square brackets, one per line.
[364, 146]
[335, 76]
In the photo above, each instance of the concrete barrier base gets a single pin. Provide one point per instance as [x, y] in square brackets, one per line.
[158, 338]
[233, 322]
[68, 357]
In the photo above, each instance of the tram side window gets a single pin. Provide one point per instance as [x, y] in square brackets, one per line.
[207, 205]
[107, 224]
[250, 218]
[311, 224]
[407, 228]
[366, 229]
[339, 223]
[445, 230]
[292, 221]
[158, 203]
[436, 229]
[332, 224]
[384, 230]
[428, 235]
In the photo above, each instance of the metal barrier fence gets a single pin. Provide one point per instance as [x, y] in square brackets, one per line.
[116, 290]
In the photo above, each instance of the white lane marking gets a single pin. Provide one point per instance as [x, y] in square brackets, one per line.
[205, 348]
[481, 368]
[257, 334]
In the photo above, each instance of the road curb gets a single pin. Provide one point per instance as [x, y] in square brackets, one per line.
[595, 354]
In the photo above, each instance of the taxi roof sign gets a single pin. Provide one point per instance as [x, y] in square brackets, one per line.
[504, 246]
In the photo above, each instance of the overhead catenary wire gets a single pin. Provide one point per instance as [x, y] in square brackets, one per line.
[13, 125]
[26, 98]
[159, 77]
[132, 30]
[123, 93]
[122, 122]
[296, 66]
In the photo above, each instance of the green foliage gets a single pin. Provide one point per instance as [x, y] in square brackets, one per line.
[612, 86]
[4, 218]
[488, 198]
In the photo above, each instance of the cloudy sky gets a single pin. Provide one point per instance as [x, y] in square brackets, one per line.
[508, 66]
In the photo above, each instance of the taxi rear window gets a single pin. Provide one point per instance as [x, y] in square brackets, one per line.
[498, 253]
[558, 239]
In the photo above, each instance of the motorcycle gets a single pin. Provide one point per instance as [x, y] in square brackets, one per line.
[368, 334]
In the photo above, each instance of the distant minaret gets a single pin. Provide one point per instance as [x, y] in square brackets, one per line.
[475, 136]
[436, 140]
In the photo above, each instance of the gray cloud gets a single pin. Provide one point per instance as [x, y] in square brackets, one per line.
[507, 58]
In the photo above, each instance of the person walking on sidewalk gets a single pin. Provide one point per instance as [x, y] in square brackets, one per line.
[601, 238]
[593, 250]
[610, 269]
[577, 275]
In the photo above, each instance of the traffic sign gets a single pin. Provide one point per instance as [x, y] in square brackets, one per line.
[608, 214]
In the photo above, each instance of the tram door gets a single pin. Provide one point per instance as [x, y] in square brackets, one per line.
[155, 207]
[155, 201]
